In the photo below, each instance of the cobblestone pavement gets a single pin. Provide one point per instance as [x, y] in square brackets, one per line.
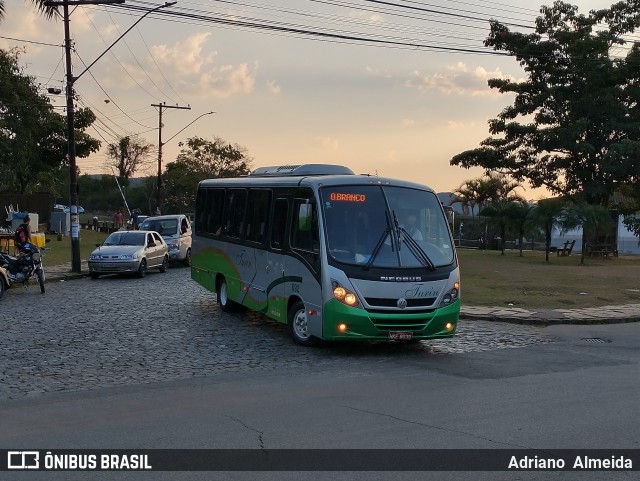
[88, 334]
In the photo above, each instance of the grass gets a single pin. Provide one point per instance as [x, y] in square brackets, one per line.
[489, 279]
[59, 252]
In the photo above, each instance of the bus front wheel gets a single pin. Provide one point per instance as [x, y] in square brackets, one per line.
[299, 325]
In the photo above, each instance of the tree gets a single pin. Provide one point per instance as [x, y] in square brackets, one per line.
[547, 215]
[574, 126]
[47, 10]
[33, 136]
[521, 219]
[595, 221]
[128, 154]
[201, 159]
[499, 199]
[469, 195]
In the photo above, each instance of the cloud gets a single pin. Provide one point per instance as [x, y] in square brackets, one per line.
[375, 72]
[186, 57]
[227, 80]
[366, 16]
[408, 122]
[110, 32]
[273, 88]
[328, 143]
[198, 73]
[458, 79]
[453, 124]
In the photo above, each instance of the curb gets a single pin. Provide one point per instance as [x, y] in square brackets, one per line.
[551, 321]
[65, 277]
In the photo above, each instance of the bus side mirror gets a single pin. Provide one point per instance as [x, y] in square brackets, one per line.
[304, 218]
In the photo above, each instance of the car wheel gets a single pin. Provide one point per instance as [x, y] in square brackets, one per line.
[187, 260]
[40, 276]
[226, 304]
[142, 270]
[165, 262]
[94, 275]
[299, 327]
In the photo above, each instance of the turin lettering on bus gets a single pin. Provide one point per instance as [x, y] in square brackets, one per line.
[337, 196]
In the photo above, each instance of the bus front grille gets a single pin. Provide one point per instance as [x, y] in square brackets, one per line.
[385, 302]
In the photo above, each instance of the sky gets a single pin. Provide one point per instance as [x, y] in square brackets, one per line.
[395, 111]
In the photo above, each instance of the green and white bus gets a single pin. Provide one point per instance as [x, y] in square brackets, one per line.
[334, 255]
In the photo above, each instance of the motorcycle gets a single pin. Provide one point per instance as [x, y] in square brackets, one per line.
[24, 267]
[4, 281]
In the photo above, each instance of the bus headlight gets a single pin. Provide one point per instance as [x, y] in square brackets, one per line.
[343, 295]
[451, 296]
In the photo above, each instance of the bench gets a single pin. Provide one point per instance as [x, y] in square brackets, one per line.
[567, 249]
[602, 250]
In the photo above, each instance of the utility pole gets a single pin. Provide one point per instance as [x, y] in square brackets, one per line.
[73, 169]
[160, 108]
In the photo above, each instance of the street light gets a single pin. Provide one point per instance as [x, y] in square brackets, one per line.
[73, 174]
[161, 143]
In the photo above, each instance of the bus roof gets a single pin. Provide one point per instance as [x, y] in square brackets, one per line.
[301, 170]
[309, 181]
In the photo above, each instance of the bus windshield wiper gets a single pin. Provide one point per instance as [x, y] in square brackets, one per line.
[396, 229]
[380, 243]
[416, 250]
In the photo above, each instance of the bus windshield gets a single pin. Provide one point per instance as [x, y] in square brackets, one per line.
[385, 226]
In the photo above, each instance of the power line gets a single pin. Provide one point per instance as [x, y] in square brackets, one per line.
[31, 41]
[109, 97]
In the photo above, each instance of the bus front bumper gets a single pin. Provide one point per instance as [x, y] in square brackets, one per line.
[341, 322]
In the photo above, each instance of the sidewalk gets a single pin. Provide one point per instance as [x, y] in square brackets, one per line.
[62, 272]
[515, 315]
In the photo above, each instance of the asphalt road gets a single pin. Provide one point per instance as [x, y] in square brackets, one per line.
[153, 363]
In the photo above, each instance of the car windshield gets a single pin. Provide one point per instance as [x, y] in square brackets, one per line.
[384, 226]
[164, 227]
[125, 238]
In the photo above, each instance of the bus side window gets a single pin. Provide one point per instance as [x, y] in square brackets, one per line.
[278, 232]
[257, 215]
[201, 211]
[236, 200]
[304, 236]
[215, 209]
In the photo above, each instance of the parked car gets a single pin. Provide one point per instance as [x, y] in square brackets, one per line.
[129, 252]
[176, 231]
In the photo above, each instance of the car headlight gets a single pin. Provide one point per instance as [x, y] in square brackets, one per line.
[343, 295]
[94, 257]
[451, 296]
[128, 257]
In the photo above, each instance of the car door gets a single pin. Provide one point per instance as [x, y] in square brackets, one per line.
[161, 247]
[151, 250]
[185, 237]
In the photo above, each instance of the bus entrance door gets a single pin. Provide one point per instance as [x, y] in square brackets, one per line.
[260, 281]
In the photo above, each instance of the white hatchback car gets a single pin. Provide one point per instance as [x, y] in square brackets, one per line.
[176, 231]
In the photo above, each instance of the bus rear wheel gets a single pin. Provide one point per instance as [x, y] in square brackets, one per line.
[299, 325]
[226, 304]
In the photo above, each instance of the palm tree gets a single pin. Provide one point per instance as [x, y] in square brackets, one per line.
[47, 10]
[521, 219]
[499, 200]
[547, 215]
[467, 194]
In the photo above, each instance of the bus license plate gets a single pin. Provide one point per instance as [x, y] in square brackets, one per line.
[400, 335]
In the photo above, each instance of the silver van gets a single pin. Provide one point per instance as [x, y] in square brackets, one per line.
[176, 232]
